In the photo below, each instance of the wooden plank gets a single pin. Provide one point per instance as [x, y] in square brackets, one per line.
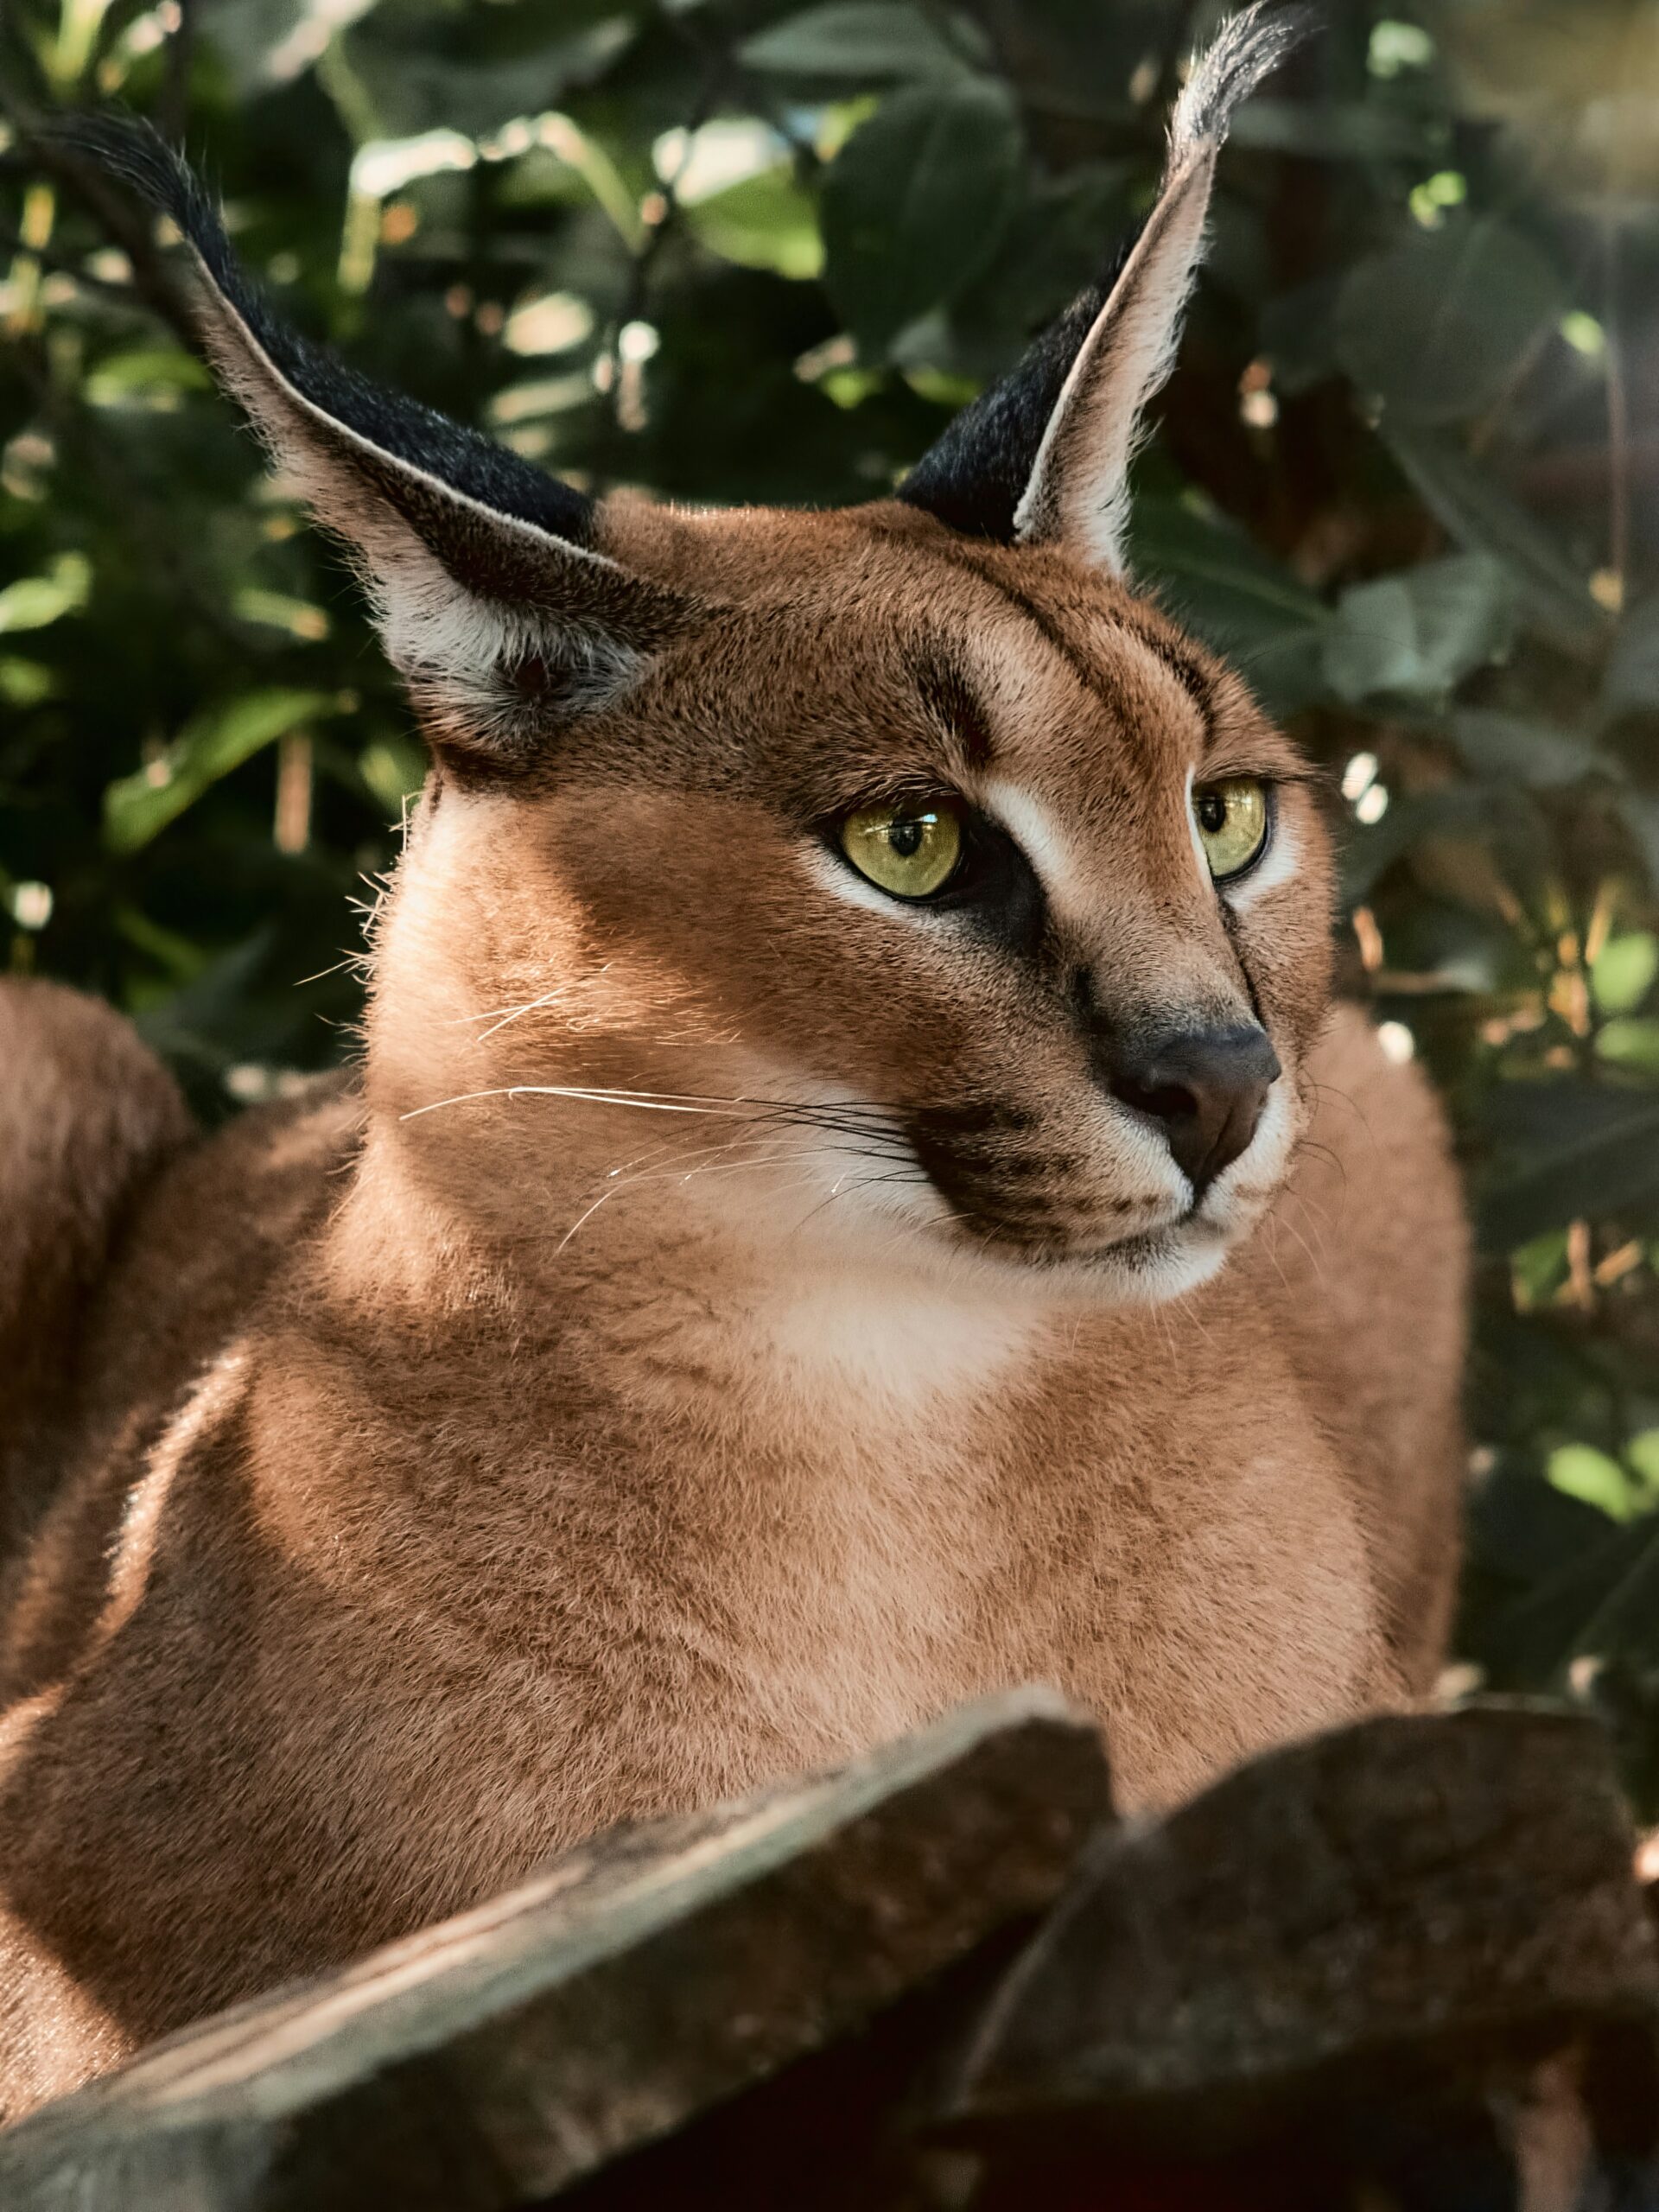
[494, 2058]
[1394, 1903]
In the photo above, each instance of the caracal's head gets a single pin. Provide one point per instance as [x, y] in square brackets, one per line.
[893, 877]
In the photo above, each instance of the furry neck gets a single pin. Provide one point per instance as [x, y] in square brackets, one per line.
[677, 1282]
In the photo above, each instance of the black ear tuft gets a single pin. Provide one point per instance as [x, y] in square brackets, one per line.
[494, 476]
[973, 476]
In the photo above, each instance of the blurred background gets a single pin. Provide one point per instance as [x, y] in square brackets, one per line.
[1406, 475]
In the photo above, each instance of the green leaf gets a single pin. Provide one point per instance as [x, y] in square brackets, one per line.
[1541, 1116]
[1579, 1471]
[26, 683]
[1437, 329]
[1295, 334]
[394, 770]
[1629, 1043]
[764, 222]
[916, 201]
[1541, 1267]
[1523, 1529]
[276, 610]
[865, 40]
[210, 745]
[146, 370]
[1048, 251]
[1632, 677]
[1237, 598]
[1627, 1621]
[1603, 1160]
[213, 1003]
[1457, 811]
[1417, 635]
[1623, 971]
[1533, 1638]
[1468, 500]
[430, 73]
[253, 39]
[33, 601]
[1513, 748]
[180, 956]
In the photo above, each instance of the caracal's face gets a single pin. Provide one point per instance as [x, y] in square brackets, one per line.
[964, 900]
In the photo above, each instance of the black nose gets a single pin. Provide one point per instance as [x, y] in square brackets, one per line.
[1206, 1086]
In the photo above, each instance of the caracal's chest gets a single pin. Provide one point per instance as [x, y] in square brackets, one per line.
[930, 1501]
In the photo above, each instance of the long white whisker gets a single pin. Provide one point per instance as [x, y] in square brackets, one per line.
[842, 1185]
[864, 1122]
[673, 1175]
[642, 1099]
[516, 1014]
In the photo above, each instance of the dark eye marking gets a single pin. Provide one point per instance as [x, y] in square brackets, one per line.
[950, 701]
[993, 888]
[1193, 679]
[1188, 672]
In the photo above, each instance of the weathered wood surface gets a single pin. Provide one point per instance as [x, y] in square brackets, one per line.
[494, 2058]
[1404, 1964]
[1415, 1932]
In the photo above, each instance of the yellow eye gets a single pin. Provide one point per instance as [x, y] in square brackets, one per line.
[911, 851]
[1232, 819]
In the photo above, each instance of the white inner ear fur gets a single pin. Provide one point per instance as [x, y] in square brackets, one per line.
[1077, 495]
[429, 622]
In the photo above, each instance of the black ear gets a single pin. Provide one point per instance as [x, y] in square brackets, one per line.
[974, 476]
[492, 593]
[1044, 457]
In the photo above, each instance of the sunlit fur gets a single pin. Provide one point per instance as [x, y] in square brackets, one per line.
[598, 1408]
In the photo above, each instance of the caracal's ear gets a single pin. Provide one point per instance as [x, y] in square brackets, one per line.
[493, 592]
[1043, 458]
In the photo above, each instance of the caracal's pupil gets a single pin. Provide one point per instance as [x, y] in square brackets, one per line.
[855, 1194]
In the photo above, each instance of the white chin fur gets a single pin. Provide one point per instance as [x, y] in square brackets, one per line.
[1148, 1270]
[1182, 1258]
[1166, 1266]
[834, 1199]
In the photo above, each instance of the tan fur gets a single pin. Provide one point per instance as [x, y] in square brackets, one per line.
[446, 1479]
[87, 1116]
